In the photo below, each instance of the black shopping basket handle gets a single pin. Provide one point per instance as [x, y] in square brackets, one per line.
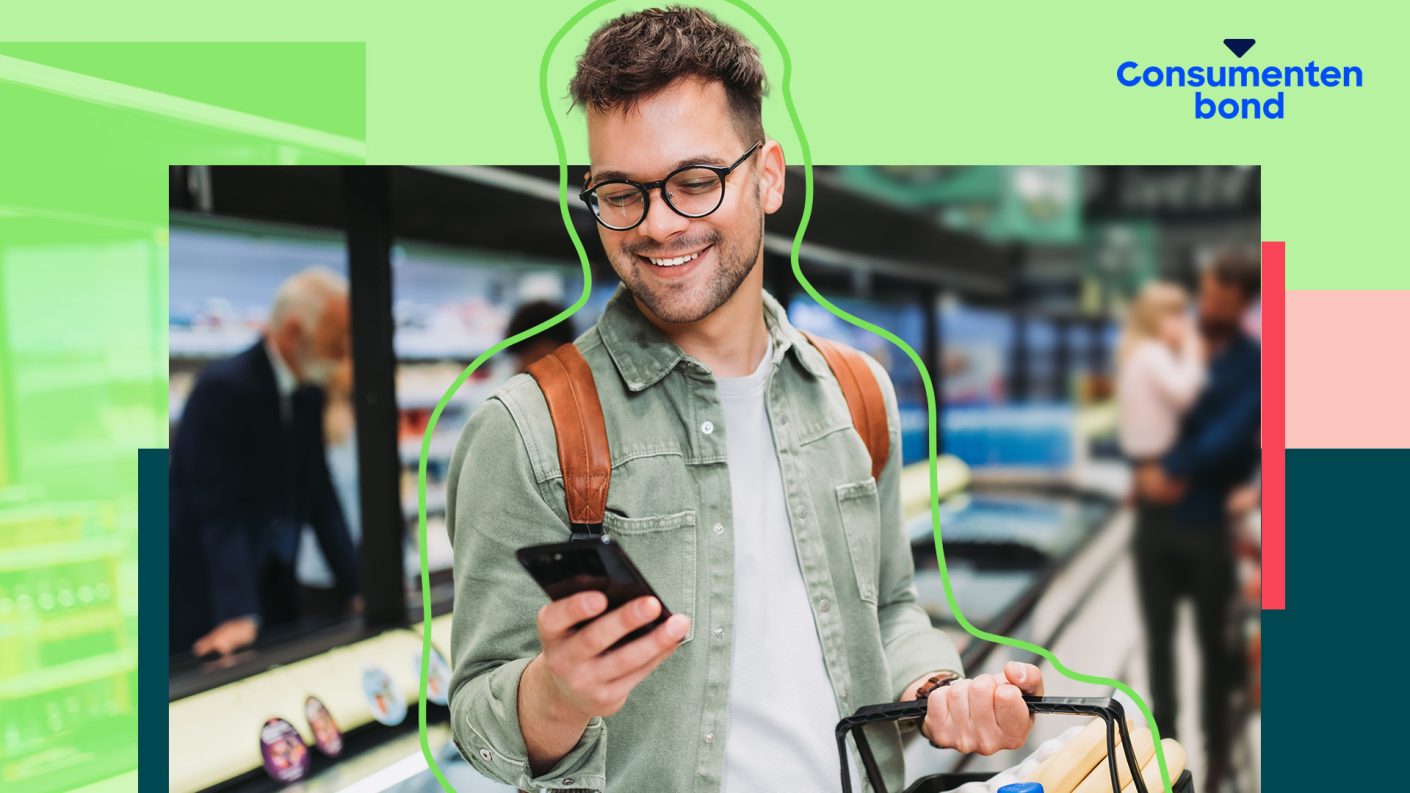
[1106, 708]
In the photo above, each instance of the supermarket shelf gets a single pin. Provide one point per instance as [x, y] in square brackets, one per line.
[69, 674]
[442, 446]
[408, 399]
[50, 554]
[121, 782]
[69, 377]
[435, 500]
[21, 505]
[80, 451]
[205, 743]
[952, 476]
[1096, 421]
[64, 626]
[429, 346]
[94, 620]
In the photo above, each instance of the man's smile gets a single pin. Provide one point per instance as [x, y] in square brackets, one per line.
[673, 261]
[667, 260]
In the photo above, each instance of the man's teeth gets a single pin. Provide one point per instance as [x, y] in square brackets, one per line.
[675, 262]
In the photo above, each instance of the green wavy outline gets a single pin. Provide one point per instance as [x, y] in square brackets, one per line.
[812, 292]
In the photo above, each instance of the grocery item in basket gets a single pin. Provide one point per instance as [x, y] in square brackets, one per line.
[1024, 769]
[1150, 772]
[1075, 761]
[1099, 779]
[1066, 769]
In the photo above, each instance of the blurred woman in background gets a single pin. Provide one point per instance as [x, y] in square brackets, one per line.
[1160, 371]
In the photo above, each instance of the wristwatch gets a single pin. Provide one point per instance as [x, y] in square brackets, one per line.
[936, 681]
[939, 680]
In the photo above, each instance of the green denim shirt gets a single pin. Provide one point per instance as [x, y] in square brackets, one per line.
[669, 508]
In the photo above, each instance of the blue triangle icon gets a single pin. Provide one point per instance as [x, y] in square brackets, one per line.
[1238, 46]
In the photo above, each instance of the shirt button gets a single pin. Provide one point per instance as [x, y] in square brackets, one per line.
[718, 528]
[803, 512]
[709, 737]
[485, 755]
[567, 780]
[708, 427]
[719, 631]
[825, 605]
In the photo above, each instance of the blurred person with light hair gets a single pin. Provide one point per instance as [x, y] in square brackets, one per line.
[248, 473]
[1184, 546]
[1160, 371]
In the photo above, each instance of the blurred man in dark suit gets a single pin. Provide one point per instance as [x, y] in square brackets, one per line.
[248, 473]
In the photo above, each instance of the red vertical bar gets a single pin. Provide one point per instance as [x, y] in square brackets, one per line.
[1274, 426]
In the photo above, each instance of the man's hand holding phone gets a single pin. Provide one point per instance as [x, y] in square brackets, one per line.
[589, 676]
[579, 674]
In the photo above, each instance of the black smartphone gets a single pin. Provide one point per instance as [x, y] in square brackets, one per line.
[564, 569]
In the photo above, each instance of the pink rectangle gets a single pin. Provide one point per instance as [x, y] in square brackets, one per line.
[1348, 376]
[1274, 341]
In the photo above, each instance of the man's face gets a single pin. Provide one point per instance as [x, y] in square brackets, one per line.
[683, 269]
[1221, 306]
[324, 351]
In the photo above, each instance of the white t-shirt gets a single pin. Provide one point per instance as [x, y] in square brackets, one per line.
[1154, 388]
[781, 706]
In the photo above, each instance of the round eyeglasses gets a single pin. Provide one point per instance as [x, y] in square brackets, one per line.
[692, 191]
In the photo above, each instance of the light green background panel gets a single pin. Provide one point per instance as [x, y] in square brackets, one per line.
[318, 86]
[967, 83]
[88, 134]
[897, 83]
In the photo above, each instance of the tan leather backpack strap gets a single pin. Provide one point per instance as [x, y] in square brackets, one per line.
[583, 454]
[864, 397]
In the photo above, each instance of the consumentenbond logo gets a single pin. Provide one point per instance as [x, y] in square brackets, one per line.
[1261, 103]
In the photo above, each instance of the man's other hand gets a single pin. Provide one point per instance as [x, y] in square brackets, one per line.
[227, 637]
[984, 714]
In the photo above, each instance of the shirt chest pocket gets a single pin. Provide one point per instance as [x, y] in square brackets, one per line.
[663, 548]
[860, 510]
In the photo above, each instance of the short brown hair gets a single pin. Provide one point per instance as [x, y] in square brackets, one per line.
[638, 54]
[1239, 268]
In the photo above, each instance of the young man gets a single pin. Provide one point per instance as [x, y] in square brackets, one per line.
[739, 487]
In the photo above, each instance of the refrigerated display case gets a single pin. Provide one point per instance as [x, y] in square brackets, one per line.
[906, 319]
[449, 306]
[68, 667]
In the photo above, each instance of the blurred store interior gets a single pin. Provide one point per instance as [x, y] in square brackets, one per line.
[1010, 283]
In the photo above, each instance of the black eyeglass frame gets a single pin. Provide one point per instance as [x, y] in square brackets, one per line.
[645, 189]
